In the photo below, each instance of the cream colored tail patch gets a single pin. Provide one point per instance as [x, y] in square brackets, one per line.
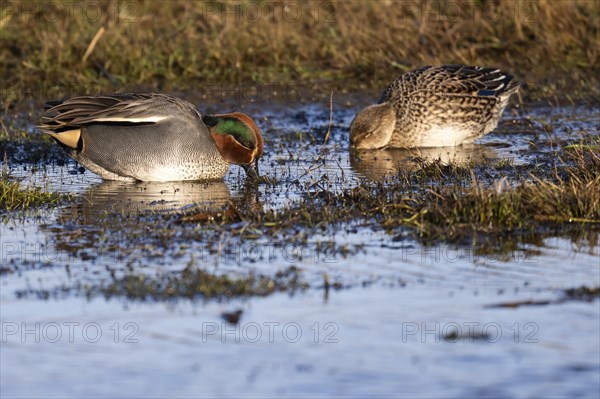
[70, 138]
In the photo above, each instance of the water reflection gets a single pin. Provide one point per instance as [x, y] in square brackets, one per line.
[115, 220]
[152, 197]
[378, 164]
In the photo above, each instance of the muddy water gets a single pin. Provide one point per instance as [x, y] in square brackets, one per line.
[400, 318]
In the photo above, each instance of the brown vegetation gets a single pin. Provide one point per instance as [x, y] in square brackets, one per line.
[49, 48]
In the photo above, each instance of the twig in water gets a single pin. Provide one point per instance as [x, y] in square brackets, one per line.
[330, 118]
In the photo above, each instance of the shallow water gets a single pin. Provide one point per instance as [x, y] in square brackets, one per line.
[404, 319]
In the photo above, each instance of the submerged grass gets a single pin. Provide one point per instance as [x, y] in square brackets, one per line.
[582, 293]
[55, 49]
[195, 282]
[191, 283]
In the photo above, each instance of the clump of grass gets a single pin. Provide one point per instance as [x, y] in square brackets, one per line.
[13, 196]
[583, 293]
[573, 195]
[172, 45]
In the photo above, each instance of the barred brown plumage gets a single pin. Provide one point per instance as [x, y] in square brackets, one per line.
[435, 106]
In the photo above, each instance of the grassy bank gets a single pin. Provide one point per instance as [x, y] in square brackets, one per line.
[52, 49]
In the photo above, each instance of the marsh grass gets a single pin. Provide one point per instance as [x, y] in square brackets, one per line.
[453, 202]
[16, 196]
[54, 49]
[13, 196]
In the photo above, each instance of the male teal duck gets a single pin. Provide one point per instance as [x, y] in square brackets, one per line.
[152, 137]
[434, 106]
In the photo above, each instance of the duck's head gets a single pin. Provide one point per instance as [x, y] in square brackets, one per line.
[238, 139]
[372, 127]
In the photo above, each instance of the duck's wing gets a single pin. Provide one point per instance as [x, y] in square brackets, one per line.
[471, 80]
[460, 80]
[126, 108]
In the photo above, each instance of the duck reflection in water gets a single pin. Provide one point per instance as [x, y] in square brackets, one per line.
[117, 214]
[380, 164]
[133, 199]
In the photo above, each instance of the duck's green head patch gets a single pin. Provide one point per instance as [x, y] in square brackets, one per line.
[234, 126]
[236, 136]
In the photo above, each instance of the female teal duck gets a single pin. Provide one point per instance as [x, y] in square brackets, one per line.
[152, 137]
[434, 106]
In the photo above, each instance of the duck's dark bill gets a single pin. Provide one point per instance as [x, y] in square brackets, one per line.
[252, 170]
